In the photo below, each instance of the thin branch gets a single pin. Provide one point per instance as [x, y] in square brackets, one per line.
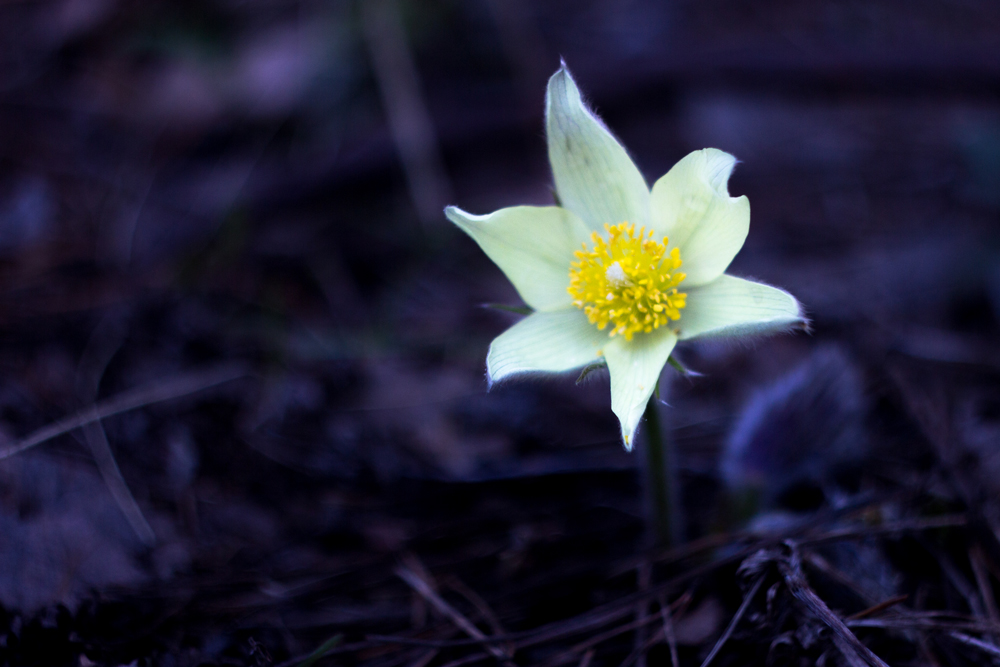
[846, 642]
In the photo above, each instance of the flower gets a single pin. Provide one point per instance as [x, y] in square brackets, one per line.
[600, 271]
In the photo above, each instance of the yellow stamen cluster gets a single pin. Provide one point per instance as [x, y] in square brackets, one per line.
[627, 279]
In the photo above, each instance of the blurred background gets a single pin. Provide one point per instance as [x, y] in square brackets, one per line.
[228, 212]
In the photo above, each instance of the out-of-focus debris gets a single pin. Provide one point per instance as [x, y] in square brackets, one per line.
[977, 417]
[229, 175]
[63, 534]
[405, 108]
[799, 430]
[27, 214]
[699, 624]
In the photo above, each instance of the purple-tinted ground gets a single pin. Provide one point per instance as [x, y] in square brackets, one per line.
[253, 189]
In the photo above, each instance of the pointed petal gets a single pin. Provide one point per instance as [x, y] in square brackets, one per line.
[635, 369]
[691, 205]
[532, 245]
[730, 306]
[595, 178]
[550, 342]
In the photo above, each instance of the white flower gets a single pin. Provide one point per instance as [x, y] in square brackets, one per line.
[609, 254]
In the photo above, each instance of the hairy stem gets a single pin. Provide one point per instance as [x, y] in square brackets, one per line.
[661, 476]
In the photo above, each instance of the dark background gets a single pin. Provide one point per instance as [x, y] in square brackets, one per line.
[253, 190]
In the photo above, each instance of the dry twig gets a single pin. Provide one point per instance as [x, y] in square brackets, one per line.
[846, 642]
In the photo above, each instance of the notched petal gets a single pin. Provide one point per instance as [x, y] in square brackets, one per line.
[719, 166]
[691, 205]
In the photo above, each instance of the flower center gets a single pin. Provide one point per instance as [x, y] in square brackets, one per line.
[628, 280]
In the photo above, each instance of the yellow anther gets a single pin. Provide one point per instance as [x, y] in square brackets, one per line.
[627, 280]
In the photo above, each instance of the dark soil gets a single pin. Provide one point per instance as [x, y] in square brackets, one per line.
[207, 234]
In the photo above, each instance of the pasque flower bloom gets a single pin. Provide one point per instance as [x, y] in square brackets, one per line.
[619, 272]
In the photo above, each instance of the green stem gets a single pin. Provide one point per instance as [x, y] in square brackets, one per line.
[661, 475]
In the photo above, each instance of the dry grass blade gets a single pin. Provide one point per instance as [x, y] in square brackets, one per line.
[321, 651]
[732, 624]
[424, 658]
[640, 651]
[104, 343]
[881, 606]
[478, 602]
[574, 626]
[979, 570]
[644, 575]
[468, 660]
[678, 607]
[925, 621]
[540, 635]
[957, 579]
[157, 392]
[668, 633]
[100, 448]
[583, 646]
[890, 528]
[422, 588]
[986, 647]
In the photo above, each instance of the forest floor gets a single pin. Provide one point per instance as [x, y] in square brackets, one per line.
[243, 411]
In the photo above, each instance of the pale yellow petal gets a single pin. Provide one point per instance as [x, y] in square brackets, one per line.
[532, 245]
[635, 367]
[594, 176]
[730, 306]
[549, 342]
[691, 205]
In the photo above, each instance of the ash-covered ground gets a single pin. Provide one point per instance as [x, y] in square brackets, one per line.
[244, 417]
